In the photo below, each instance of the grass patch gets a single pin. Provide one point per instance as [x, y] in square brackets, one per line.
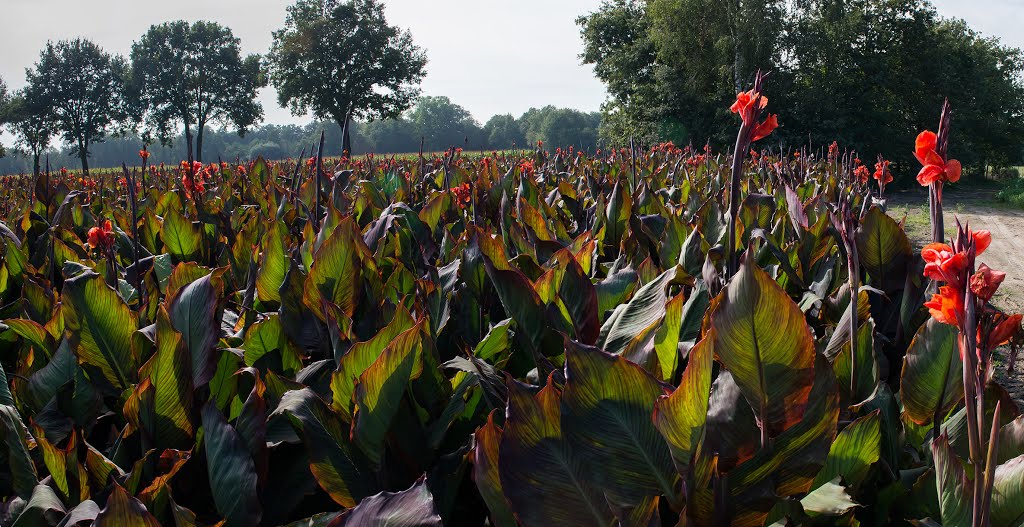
[1012, 192]
[917, 221]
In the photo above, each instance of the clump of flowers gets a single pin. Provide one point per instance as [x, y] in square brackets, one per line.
[102, 236]
[749, 105]
[463, 194]
[882, 174]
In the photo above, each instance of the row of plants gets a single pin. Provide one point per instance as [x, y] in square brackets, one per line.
[666, 337]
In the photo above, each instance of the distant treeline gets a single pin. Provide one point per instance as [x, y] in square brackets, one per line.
[439, 122]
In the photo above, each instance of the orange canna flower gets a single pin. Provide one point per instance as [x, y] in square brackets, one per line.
[747, 104]
[144, 154]
[947, 306]
[882, 174]
[862, 174]
[935, 168]
[942, 264]
[102, 236]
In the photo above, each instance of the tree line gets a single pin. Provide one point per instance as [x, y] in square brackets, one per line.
[437, 121]
[866, 73]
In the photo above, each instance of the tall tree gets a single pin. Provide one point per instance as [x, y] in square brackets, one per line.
[443, 124]
[341, 60]
[4, 110]
[193, 74]
[30, 123]
[82, 87]
[502, 131]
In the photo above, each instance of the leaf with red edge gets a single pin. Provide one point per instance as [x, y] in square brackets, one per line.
[413, 507]
[123, 510]
[486, 475]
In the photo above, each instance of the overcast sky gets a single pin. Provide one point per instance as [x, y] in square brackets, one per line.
[490, 56]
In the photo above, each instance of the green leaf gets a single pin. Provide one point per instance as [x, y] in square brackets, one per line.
[193, 310]
[829, 499]
[532, 443]
[267, 336]
[630, 328]
[43, 508]
[231, 470]
[953, 485]
[606, 413]
[273, 265]
[884, 250]
[853, 452]
[182, 238]
[787, 468]
[1008, 494]
[16, 440]
[761, 337]
[335, 273]
[123, 510]
[171, 377]
[379, 392]
[362, 354]
[666, 340]
[680, 417]
[100, 325]
[932, 377]
[485, 473]
[341, 470]
[413, 507]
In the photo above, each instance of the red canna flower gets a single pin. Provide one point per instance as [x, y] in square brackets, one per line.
[1007, 326]
[463, 195]
[935, 168]
[862, 174]
[947, 306]
[986, 281]
[102, 236]
[747, 105]
[882, 174]
[942, 264]
[144, 154]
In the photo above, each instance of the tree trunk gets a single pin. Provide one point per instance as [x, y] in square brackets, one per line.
[83, 155]
[346, 138]
[35, 162]
[199, 142]
[188, 140]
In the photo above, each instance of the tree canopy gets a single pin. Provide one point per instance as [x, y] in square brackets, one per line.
[865, 72]
[342, 60]
[190, 75]
[30, 123]
[82, 88]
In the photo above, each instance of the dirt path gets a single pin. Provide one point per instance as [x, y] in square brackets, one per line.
[981, 210]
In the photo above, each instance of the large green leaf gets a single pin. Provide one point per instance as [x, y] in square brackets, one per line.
[413, 507]
[953, 485]
[854, 451]
[380, 390]
[172, 382]
[231, 470]
[485, 473]
[788, 466]
[606, 417]
[43, 508]
[182, 238]
[100, 326]
[19, 462]
[193, 310]
[680, 417]
[1008, 494]
[515, 290]
[932, 378]
[632, 327]
[273, 264]
[340, 469]
[532, 444]
[267, 336]
[352, 364]
[884, 249]
[335, 273]
[123, 510]
[761, 337]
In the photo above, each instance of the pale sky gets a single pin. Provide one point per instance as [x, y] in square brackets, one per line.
[490, 56]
